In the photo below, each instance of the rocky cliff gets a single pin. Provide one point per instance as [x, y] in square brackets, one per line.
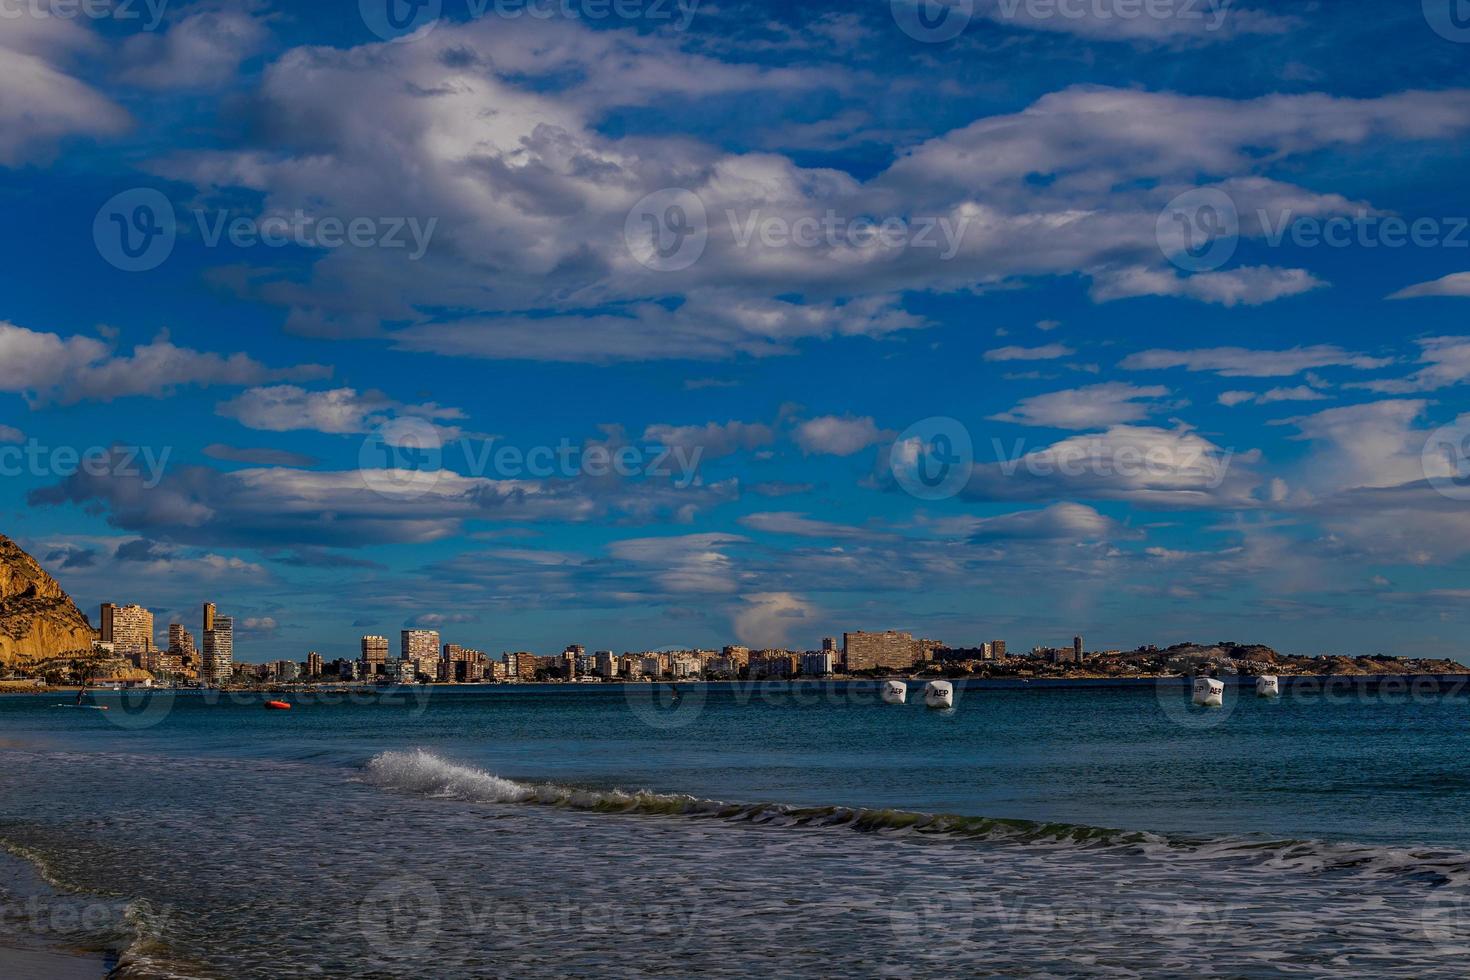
[37, 618]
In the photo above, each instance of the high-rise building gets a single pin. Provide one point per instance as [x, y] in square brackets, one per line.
[219, 647]
[829, 645]
[128, 628]
[1077, 648]
[180, 640]
[374, 655]
[422, 648]
[607, 663]
[889, 650]
[313, 664]
[998, 648]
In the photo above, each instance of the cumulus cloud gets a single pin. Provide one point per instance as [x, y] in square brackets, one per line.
[1144, 465]
[1090, 407]
[833, 435]
[711, 440]
[497, 127]
[41, 99]
[201, 50]
[46, 368]
[768, 619]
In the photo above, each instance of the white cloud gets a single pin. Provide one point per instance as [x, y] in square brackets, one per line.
[9, 433]
[800, 525]
[837, 436]
[1371, 445]
[1454, 284]
[1141, 464]
[45, 367]
[1090, 407]
[690, 563]
[1298, 393]
[1045, 352]
[767, 620]
[201, 50]
[1446, 362]
[1240, 362]
[40, 102]
[713, 439]
[1062, 521]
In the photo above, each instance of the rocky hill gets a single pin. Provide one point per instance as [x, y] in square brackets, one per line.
[38, 620]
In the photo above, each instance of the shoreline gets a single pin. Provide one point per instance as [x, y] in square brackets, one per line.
[51, 964]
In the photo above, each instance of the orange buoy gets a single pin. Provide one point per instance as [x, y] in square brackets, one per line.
[278, 705]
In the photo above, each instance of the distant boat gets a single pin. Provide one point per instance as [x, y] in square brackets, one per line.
[1208, 692]
[939, 694]
[894, 692]
[1268, 686]
[277, 706]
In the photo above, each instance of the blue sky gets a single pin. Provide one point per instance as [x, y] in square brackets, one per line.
[1250, 433]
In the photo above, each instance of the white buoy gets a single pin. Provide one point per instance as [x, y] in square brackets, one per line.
[1209, 692]
[939, 694]
[895, 692]
[1268, 686]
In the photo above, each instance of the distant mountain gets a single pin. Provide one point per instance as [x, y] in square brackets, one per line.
[37, 618]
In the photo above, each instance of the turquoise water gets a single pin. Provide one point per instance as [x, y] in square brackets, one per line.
[554, 830]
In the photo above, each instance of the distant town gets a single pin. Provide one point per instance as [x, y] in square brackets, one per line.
[126, 651]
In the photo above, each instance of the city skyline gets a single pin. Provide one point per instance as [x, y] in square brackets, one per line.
[1052, 326]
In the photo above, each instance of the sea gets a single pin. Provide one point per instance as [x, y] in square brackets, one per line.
[796, 829]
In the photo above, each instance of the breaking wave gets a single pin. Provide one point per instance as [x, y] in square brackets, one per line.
[426, 774]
